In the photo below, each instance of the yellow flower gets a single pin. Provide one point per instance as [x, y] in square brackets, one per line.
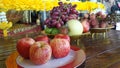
[45, 5]
[5, 25]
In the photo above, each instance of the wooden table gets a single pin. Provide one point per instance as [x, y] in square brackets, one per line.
[11, 60]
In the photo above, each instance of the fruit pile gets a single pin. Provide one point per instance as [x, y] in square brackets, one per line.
[61, 14]
[94, 20]
[40, 49]
[98, 20]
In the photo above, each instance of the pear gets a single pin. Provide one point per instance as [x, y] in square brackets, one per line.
[75, 27]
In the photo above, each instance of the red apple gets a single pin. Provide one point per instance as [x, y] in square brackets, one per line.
[86, 26]
[62, 36]
[60, 47]
[40, 52]
[23, 46]
[42, 38]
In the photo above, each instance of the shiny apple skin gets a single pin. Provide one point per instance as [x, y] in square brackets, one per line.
[40, 52]
[42, 38]
[63, 36]
[86, 26]
[60, 47]
[23, 46]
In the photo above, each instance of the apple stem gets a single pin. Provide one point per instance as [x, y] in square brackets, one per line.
[41, 46]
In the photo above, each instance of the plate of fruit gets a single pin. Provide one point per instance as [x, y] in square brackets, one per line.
[52, 63]
[99, 30]
[41, 52]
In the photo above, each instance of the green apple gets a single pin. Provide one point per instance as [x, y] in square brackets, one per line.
[75, 27]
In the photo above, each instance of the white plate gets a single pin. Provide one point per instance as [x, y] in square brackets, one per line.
[52, 63]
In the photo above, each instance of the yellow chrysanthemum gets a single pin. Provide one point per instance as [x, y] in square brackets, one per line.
[45, 5]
